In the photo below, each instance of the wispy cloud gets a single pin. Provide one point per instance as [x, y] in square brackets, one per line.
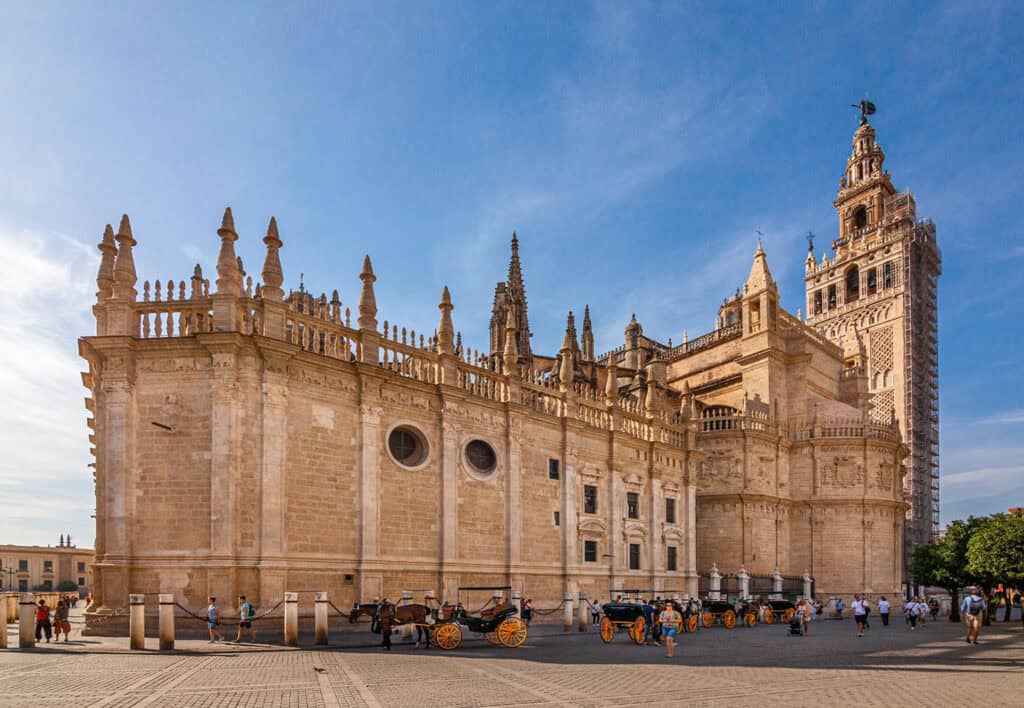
[46, 283]
[1005, 418]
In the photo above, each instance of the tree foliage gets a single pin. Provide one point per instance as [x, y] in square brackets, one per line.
[67, 586]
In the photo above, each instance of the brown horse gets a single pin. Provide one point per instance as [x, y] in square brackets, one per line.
[390, 615]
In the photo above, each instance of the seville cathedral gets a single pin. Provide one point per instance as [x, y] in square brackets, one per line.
[250, 440]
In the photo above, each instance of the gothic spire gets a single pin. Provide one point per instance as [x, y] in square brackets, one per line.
[510, 356]
[124, 263]
[445, 330]
[229, 275]
[367, 300]
[760, 277]
[105, 276]
[273, 277]
[588, 336]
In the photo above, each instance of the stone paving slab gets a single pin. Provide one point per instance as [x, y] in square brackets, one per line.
[763, 666]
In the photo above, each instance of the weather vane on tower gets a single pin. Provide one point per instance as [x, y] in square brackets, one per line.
[866, 107]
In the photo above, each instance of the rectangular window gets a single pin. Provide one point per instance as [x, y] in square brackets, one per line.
[671, 561]
[22, 586]
[817, 302]
[81, 582]
[590, 551]
[872, 281]
[23, 566]
[47, 566]
[552, 469]
[670, 511]
[81, 567]
[634, 556]
[831, 297]
[589, 499]
[633, 505]
[888, 275]
[558, 519]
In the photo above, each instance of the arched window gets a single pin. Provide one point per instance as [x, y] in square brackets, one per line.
[852, 284]
[860, 217]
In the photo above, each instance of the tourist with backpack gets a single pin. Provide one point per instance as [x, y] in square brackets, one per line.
[973, 611]
[246, 612]
[212, 620]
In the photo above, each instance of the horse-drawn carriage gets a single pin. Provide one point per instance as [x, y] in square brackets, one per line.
[774, 609]
[619, 615]
[723, 611]
[442, 626]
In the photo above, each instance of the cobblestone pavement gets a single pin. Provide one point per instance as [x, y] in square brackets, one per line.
[716, 667]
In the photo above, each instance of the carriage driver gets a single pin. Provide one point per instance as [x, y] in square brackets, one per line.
[670, 621]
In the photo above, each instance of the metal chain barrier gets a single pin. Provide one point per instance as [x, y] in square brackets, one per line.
[192, 615]
[553, 610]
[335, 608]
[119, 612]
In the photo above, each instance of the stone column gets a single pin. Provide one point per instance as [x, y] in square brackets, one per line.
[743, 577]
[3, 626]
[320, 618]
[567, 613]
[274, 406]
[584, 613]
[26, 621]
[449, 502]
[166, 622]
[137, 621]
[715, 591]
[514, 497]
[691, 536]
[225, 438]
[776, 585]
[291, 619]
[114, 464]
[568, 526]
[370, 585]
[516, 597]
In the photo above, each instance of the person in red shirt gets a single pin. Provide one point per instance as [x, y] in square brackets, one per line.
[43, 621]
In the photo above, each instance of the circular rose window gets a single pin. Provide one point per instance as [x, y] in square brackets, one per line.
[408, 446]
[481, 457]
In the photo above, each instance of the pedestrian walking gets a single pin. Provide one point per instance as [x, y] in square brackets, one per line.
[804, 610]
[648, 609]
[972, 609]
[61, 625]
[670, 622]
[867, 612]
[859, 614]
[595, 612]
[883, 610]
[933, 609]
[526, 610]
[245, 614]
[43, 621]
[840, 606]
[212, 620]
[912, 611]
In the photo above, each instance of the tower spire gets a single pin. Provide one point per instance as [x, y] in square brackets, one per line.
[588, 336]
[105, 276]
[367, 300]
[273, 277]
[229, 275]
[510, 357]
[124, 263]
[445, 330]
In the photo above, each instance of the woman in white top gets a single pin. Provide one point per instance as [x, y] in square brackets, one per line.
[859, 614]
[883, 610]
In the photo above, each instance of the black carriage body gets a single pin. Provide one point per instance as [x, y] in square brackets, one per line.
[484, 625]
[623, 611]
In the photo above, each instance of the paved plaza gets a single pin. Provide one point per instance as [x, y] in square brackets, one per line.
[716, 667]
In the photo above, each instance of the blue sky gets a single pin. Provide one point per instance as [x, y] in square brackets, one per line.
[634, 146]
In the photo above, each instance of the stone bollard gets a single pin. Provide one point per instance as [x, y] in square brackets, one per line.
[743, 579]
[584, 614]
[567, 614]
[320, 618]
[516, 600]
[776, 585]
[291, 619]
[137, 621]
[715, 592]
[166, 622]
[12, 608]
[3, 626]
[27, 621]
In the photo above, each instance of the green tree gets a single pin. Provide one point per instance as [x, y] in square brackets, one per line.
[944, 562]
[67, 586]
[996, 552]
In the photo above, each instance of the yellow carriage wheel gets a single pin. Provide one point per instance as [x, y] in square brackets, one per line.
[492, 638]
[607, 630]
[707, 619]
[512, 632]
[448, 636]
[691, 623]
[729, 619]
[638, 630]
[751, 619]
[769, 616]
[789, 614]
